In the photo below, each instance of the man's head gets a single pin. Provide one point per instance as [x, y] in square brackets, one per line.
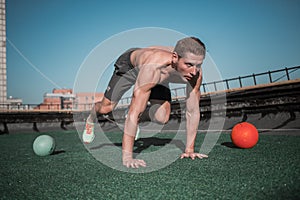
[190, 45]
[188, 57]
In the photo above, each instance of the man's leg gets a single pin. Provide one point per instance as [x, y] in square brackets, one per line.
[160, 111]
[102, 107]
[122, 80]
[160, 99]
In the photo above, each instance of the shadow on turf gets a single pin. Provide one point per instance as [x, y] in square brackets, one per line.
[58, 152]
[144, 143]
[229, 145]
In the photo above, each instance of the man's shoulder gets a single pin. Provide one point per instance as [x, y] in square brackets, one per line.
[163, 48]
[151, 54]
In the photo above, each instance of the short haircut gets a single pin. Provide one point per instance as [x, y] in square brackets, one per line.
[190, 45]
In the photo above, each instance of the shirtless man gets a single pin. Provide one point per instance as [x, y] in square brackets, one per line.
[150, 70]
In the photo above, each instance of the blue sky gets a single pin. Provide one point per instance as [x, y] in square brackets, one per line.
[55, 36]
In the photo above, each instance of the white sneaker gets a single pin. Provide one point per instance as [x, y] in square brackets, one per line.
[137, 135]
[88, 134]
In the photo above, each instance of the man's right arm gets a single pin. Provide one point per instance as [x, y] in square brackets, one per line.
[137, 106]
[148, 77]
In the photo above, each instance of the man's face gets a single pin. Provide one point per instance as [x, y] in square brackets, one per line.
[189, 65]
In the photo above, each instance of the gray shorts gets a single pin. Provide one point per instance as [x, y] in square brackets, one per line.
[124, 77]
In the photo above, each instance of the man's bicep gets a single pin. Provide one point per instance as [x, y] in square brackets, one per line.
[139, 101]
[148, 76]
[142, 89]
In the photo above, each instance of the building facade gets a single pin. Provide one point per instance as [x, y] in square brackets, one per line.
[86, 100]
[59, 99]
[64, 99]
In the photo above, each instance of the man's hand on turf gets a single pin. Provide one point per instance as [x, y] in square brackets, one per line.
[134, 163]
[193, 155]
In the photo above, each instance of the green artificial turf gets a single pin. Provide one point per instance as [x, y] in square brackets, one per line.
[270, 170]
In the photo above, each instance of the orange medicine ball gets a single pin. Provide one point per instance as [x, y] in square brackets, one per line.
[244, 135]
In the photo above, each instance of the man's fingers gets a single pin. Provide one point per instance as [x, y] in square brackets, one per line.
[184, 155]
[141, 163]
[193, 155]
[204, 156]
[201, 156]
[128, 165]
[135, 163]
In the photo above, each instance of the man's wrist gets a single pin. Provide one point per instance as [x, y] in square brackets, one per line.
[189, 150]
[126, 156]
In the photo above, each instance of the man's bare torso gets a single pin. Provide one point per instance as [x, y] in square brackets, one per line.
[157, 58]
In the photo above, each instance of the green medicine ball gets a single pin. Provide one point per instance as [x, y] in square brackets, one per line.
[43, 145]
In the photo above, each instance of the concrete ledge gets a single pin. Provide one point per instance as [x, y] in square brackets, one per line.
[278, 102]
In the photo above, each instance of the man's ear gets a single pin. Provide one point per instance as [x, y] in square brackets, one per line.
[175, 57]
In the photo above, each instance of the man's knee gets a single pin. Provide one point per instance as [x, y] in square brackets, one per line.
[160, 113]
[162, 119]
[105, 109]
[105, 106]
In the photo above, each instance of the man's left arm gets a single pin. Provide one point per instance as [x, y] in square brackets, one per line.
[193, 117]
